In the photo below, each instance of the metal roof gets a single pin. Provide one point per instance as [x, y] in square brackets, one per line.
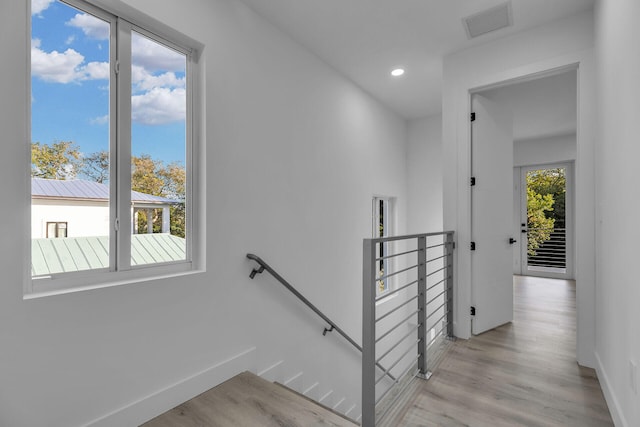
[69, 254]
[81, 189]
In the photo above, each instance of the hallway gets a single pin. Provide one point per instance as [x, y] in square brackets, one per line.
[523, 373]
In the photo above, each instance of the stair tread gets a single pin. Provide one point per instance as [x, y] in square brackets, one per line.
[248, 400]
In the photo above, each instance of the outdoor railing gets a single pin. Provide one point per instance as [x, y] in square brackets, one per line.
[547, 247]
[407, 312]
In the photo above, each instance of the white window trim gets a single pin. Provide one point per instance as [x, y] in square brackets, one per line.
[123, 19]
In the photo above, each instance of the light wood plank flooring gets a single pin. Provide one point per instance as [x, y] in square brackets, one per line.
[521, 374]
[247, 400]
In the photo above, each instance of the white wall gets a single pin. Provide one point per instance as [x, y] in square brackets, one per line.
[563, 43]
[294, 153]
[424, 175]
[544, 150]
[83, 218]
[617, 154]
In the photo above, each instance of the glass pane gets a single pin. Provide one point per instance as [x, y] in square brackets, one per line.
[546, 220]
[69, 139]
[158, 150]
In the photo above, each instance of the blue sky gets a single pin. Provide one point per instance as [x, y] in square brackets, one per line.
[70, 85]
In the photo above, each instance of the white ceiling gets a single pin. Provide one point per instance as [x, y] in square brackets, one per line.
[365, 39]
[541, 108]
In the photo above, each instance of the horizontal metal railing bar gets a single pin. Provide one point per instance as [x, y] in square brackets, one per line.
[397, 326]
[438, 270]
[400, 392]
[400, 376]
[435, 259]
[386, 276]
[547, 229]
[436, 246]
[411, 347]
[408, 236]
[395, 291]
[436, 310]
[396, 309]
[438, 283]
[308, 303]
[437, 296]
[396, 255]
[397, 343]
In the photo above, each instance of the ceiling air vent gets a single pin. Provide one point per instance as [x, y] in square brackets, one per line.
[493, 19]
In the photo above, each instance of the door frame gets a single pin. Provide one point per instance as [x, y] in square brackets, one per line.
[569, 220]
[459, 83]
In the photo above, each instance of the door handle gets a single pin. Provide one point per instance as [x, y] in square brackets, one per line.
[512, 240]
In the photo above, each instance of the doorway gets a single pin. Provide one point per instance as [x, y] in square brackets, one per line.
[529, 122]
[543, 217]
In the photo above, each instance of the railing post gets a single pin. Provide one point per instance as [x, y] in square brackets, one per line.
[422, 307]
[368, 334]
[449, 284]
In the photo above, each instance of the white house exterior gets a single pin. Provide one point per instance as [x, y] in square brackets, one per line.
[79, 208]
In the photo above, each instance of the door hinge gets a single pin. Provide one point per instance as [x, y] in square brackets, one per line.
[473, 246]
[473, 117]
[473, 181]
[473, 311]
[453, 245]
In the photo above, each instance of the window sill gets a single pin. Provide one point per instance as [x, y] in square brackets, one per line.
[65, 285]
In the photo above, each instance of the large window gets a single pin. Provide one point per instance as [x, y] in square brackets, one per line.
[111, 144]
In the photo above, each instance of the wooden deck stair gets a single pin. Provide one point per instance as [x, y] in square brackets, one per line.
[247, 400]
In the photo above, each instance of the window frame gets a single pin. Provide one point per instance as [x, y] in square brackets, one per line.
[123, 21]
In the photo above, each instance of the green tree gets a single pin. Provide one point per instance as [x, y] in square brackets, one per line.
[546, 196]
[540, 227]
[156, 178]
[60, 160]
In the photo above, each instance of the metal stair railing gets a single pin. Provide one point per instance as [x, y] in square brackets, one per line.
[407, 314]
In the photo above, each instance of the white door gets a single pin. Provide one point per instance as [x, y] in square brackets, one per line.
[491, 215]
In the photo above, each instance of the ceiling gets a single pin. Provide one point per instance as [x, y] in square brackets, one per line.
[541, 108]
[365, 39]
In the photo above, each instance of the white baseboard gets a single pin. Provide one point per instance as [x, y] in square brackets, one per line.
[169, 397]
[614, 406]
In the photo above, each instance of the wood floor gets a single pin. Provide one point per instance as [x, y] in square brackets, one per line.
[520, 374]
[247, 400]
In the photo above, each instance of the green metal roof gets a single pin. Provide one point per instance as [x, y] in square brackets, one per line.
[69, 254]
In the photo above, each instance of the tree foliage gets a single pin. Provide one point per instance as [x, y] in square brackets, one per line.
[63, 160]
[60, 160]
[546, 196]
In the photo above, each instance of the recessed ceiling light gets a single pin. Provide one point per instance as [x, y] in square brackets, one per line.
[397, 72]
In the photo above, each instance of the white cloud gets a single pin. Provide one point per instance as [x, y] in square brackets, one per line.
[64, 67]
[90, 25]
[159, 106]
[39, 6]
[95, 71]
[70, 40]
[58, 67]
[153, 56]
[144, 80]
[102, 120]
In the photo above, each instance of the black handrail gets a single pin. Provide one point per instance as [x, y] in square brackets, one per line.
[279, 278]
